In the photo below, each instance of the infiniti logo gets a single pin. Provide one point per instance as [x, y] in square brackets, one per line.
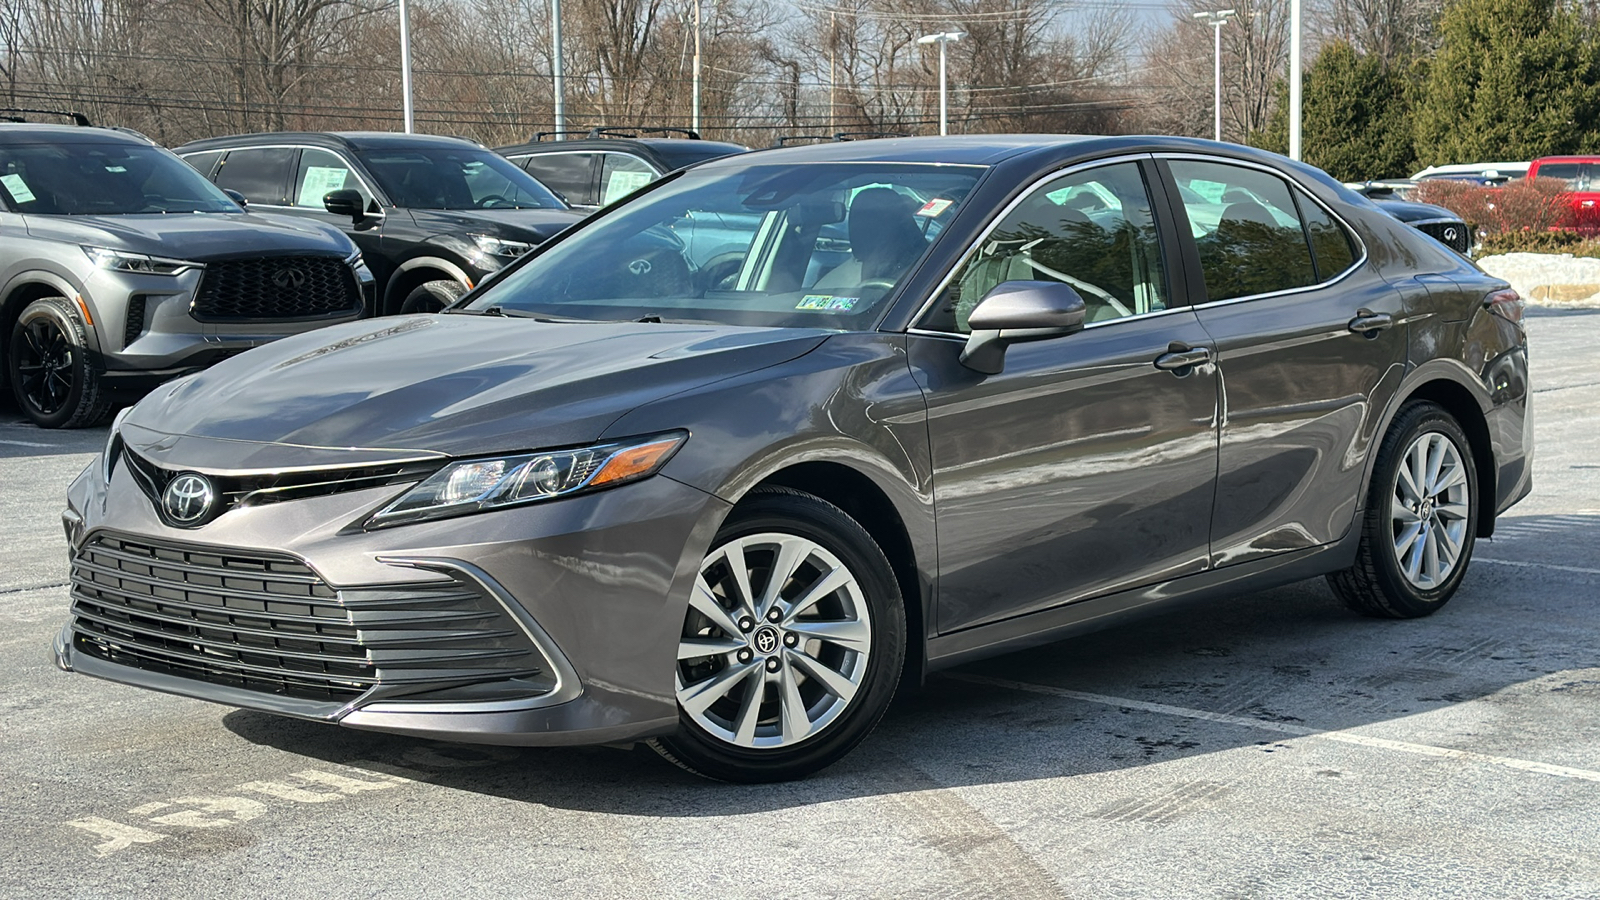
[289, 278]
[639, 267]
[1451, 234]
[187, 500]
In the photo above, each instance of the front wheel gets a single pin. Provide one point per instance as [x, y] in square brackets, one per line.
[1421, 519]
[792, 645]
[432, 296]
[48, 366]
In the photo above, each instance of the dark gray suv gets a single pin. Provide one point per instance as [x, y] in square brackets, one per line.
[609, 499]
[120, 267]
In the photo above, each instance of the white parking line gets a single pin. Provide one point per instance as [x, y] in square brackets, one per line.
[1343, 737]
[24, 443]
[1535, 565]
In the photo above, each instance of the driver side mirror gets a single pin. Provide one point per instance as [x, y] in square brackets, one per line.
[1016, 311]
[346, 202]
[237, 197]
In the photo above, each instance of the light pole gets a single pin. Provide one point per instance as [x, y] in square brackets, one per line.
[555, 69]
[1216, 20]
[1294, 79]
[694, 109]
[942, 39]
[405, 64]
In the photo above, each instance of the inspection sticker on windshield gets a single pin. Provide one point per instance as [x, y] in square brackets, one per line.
[934, 208]
[827, 303]
[17, 188]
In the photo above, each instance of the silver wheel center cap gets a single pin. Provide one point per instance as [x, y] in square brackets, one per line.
[1427, 508]
[765, 639]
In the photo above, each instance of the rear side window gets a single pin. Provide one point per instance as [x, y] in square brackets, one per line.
[1247, 228]
[569, 174]
[1330, 243]
[621, 175]
[203, 162]
[261, 175]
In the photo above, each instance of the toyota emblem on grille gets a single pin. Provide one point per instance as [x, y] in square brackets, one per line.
[188, 498]
[289, 278]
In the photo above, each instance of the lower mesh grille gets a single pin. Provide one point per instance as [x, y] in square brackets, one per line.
[268, 623]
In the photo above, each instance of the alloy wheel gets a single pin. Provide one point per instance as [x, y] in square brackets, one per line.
[45, 363]
[1429, 509]
[776, 642]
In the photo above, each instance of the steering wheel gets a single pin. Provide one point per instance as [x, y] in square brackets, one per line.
[486, 202]
[886, 284]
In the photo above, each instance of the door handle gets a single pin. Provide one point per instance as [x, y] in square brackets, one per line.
[1180, 358]
[1368, 323]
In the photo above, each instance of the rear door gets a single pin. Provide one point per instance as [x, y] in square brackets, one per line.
[570, 173]
[261, 174]
[1084, 467]
[1311, 346]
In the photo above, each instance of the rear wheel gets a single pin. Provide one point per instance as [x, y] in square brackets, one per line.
[432, 296]
[49, 370]
[1421, 520]
[792, 645]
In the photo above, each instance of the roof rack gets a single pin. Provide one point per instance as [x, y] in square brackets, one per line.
[864, 135]
[787, 139]
[626, 132]
[539, 136]
[77, 118]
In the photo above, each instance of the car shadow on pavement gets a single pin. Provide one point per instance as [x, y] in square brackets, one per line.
[1291, 655]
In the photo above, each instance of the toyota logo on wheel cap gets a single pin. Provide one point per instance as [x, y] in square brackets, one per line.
[766, 640]
[188, 499]
[289, 278]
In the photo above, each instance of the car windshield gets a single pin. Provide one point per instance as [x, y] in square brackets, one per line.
[814, 245]
[451, 178]
[107, 179]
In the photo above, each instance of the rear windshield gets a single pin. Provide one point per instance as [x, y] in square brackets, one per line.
[450, 178]
[103, 180]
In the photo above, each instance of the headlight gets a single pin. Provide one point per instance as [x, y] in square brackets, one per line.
[113, 450]
[122, 261]
[490, 245]
[475, 485]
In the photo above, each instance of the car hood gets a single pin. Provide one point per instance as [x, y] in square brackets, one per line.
[536, 224]
[1407, 211]
[452, 384]
[195, 236]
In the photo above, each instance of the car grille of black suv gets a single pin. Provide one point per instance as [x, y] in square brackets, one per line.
[1454, 235]
[296, 287]
[268, 623]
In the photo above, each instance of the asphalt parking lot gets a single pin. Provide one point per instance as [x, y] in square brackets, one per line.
[1272, 745]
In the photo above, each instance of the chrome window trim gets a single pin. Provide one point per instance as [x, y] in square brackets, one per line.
[1029, 191]
[1294, 186]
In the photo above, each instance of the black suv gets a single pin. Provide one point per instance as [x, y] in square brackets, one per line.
[611, 163]
[432, 215]
[121, 268]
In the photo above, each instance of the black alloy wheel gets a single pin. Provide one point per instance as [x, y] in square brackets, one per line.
[50, 374]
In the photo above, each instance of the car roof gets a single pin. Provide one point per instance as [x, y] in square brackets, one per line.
[1472, 169]
[1575, 158]
[350, 140]
[670, 146]
[30, 133]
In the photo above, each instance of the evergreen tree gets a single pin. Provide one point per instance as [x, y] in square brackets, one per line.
[1513, 80]
[1355, 118]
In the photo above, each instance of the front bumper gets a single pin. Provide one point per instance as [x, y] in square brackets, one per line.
[577, 604]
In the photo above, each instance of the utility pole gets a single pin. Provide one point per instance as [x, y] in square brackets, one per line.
[556, 69]
[405, 65]
[942, 39]
[695, 108]
[833, 77]
[1216, 20]
[1294, 79]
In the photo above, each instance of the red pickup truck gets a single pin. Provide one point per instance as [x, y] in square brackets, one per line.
[1582, 175]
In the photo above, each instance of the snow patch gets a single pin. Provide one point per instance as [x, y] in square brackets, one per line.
[1556, 280]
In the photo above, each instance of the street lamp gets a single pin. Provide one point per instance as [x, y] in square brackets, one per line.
[1216, 20]
[1294, 79]
[557, 70]
[405, 64]
[942, 39]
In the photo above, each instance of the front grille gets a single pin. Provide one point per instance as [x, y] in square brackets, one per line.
[267, 622]
[1454, 235]
[257, 490]
[296, 287]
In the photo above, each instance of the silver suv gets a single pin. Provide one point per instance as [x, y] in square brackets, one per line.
[121, 267]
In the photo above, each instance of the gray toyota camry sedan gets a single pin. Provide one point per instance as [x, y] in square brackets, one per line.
[722, 467]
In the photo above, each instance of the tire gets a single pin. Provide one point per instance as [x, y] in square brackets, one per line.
[745, 727]
[432, 296]
[48, 367]
[1404, 568]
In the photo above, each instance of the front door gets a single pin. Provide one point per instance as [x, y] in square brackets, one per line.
[1311, 347]
[320, 172]
[1082, 468]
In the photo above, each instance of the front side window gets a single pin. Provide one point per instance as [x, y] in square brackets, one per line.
[621, 175]
[451, 178]
[321, 173]
[818, 245]
[260, 174]
[1247, 228]
[103, 179]
[1093, 230]
[1566, 172]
